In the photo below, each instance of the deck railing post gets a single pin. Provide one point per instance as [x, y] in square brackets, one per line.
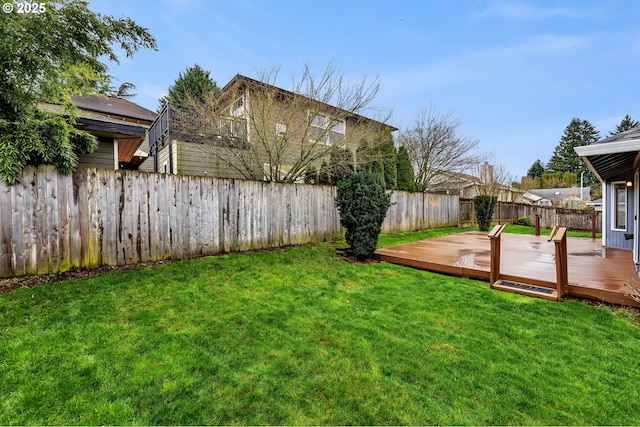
[494, 265]
[593, 226]
[562, 273]
[537, 224]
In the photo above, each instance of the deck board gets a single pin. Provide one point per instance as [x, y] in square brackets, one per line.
[595, 272]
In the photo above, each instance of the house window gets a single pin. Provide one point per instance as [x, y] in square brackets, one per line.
[619, 206]
[326, 130]
[233, 128]
[281, 129]
[237, 110]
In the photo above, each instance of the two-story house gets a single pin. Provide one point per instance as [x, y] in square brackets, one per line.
[254, 130]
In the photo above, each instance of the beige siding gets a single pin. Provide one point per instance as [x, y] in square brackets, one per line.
[147, 165]
[103, 157]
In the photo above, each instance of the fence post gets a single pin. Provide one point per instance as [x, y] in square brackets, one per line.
[494, 238]
[562, 273]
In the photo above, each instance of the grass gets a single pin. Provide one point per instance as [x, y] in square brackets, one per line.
[299, 336]
[522, 229]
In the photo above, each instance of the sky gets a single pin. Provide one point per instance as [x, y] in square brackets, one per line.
[515, 73]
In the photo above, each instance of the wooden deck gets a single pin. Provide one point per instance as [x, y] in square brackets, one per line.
[595, 272]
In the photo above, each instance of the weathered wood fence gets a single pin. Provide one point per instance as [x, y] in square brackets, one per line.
[506, 212]
[98, 217]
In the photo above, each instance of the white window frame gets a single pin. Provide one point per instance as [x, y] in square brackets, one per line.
[237, 108]
[615, 186]
[281, 129]
[339, 128]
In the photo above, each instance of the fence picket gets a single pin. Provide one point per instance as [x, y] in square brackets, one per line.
[94, 217]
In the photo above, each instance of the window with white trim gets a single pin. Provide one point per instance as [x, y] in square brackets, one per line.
[619, 206]
[324, 131]
[237, 109]
[281, 129]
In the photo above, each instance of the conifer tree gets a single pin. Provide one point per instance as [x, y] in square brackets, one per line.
[565, 159]
[536, 170]
[406, 177]
[626, 124]
[191, 87]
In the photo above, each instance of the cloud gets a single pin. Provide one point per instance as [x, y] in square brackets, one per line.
[485, 64]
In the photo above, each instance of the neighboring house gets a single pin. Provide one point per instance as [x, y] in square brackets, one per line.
[615, 162]
[121, 128]
[469, 186]
[227, 139]
[597, 204]
[573, 198]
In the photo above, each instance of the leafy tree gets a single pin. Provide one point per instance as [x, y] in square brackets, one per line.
[363, 203]
[193, 86]
[536, 170]
[47, 58]
[406, 179]
[565, 159]
[626, 124]
[435, 145]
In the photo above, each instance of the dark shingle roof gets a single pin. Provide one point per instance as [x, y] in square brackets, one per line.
[113, 105]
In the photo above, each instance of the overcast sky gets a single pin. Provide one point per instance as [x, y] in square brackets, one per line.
[514, 72]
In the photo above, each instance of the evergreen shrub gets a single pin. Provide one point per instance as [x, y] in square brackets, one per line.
[484, 207]
[362, 202]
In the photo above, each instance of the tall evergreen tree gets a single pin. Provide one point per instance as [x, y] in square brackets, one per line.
[565, 159]
[626, 124]
[379, 156]
[191, 87]
[406, 177]
[536, 170]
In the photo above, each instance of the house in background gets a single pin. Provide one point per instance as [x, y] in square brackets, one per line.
[615, 161]
[121, 128]
[227, 140]
[469, 186]
[570, 198]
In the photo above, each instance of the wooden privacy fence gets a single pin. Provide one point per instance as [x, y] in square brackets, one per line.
[98, 217]
[507, 212]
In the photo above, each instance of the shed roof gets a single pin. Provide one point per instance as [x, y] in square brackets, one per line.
[112, 105]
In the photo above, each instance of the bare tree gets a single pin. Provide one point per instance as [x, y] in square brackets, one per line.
[436, 146]
[265, 132]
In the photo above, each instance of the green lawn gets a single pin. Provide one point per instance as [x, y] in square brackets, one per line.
[299, 336]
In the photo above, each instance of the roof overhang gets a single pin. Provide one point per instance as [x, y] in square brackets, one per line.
[610, 159]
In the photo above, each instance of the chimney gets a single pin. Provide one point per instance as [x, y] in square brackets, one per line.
[486, 174]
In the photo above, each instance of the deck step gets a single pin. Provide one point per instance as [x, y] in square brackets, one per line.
[524, 289]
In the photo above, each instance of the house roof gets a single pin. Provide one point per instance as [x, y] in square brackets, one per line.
[239, 79]
[613, 155]
[559, 194]
[113, 106]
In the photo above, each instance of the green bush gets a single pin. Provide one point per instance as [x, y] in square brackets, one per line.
[484, 207]
[362, 202]
[523, 220]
